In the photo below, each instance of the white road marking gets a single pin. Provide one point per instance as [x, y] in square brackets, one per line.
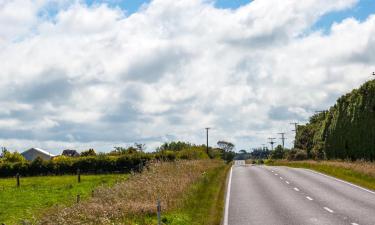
[355, 224]
[272, 171]
[287, 182]
[276, 174]
[281, 178]
[296, 189]
[353, 185]
[328, 209]
[226, 212]
[309, 198]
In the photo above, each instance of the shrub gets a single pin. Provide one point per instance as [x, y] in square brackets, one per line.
[66, 165]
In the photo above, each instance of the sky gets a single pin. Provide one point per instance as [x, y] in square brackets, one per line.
[99, 74]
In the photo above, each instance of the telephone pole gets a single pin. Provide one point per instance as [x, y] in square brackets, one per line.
[295, 130]
[271, 142]
[295, 127]
[207, 128]
[283, 138]
[320, 111]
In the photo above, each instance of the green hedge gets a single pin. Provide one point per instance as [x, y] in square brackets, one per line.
[345, 131]
[67, 165]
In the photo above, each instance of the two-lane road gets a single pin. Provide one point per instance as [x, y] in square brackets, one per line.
[263, 195]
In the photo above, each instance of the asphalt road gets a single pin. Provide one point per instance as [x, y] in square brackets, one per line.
[280, 195]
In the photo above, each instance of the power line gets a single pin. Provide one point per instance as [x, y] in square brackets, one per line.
[283, 138]
[271, 142]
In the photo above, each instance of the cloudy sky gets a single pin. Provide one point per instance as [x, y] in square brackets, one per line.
[80, 74]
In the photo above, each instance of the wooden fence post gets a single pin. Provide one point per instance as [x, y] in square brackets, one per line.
[78, 198]
[18, 179]
[159, 212]
[79, 175]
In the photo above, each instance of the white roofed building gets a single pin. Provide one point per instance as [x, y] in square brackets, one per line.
[34, 153]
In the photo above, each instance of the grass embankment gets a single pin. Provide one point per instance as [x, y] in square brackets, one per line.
[191, 192]
[360, 173]
[25, 203]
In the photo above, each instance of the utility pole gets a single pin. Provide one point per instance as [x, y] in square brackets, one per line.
[207, 128]
[271, 142]
[295, 130]
[295, 127]
[264, 147]
[283, 138]
[320, 111]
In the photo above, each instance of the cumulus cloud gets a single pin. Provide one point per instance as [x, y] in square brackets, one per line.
[93, 76]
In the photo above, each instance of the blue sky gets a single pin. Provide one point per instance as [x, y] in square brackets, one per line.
[361, 11]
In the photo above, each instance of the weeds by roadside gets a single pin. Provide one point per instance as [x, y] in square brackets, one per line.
[137, 196]
[360, 172]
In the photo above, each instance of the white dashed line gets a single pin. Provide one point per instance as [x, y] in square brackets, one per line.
[272, 171]
[309, 198]
[296, 189]
[328, 209]
[355, 224]
[287, 182]
[276, 174]
[281, 178]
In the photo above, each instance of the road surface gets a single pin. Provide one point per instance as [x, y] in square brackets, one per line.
[280, 195]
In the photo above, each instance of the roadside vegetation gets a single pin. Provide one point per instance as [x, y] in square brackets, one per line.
[24, 203]
[127, 182]
[339, 142]
[359, 172]
[188, 190]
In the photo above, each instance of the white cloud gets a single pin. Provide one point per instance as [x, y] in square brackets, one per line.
[93, 76]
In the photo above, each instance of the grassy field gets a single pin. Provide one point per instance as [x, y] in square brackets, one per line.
[37, 193]
[360, 173]
[191, 192]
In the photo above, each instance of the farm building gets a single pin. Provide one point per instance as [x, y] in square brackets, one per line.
[70, 153]
[34, 153]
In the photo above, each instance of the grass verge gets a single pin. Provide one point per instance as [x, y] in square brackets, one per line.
[204, 203]
[360, 173]
[37, 193]
[191, 192]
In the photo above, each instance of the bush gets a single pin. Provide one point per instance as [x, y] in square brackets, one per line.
[66, 165]
[296, 154]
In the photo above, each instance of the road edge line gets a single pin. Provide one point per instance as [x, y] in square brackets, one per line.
[227, 199]
[342, 181]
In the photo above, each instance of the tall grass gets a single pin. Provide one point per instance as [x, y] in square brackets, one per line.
[136, 196]
[36, 194]
[360, 172]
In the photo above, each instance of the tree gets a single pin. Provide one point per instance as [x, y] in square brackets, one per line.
[242, 151]
[227, 148]
[278, 153]
[140, 147]
[12, 157]
[225, 145]
[4, 151]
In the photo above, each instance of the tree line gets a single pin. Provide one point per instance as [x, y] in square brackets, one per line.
[120, 159]
[345, 131]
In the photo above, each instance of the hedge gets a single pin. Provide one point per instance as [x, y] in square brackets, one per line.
[68, 165]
